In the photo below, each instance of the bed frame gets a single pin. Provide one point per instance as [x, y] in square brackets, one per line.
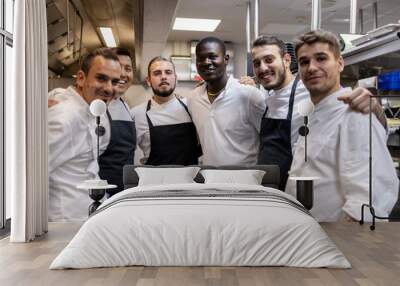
[270, 179]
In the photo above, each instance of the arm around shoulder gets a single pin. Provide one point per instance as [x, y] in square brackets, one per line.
[257, 106]
[59, 137]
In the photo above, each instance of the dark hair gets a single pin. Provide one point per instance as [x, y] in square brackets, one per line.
[270, 40]
[218, 41]
[106, 53]
[158, 59]
[122, 52]
[319, 36]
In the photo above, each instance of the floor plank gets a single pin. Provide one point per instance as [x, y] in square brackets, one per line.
[374, 255]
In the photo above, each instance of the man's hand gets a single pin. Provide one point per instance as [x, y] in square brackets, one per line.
[358, 100]
[247, 80]
[51, 102]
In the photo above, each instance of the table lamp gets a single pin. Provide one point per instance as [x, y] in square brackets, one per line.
[305, 108]
[304, 185]
[98, 108]
[97, 188]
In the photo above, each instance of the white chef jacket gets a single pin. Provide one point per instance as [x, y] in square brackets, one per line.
[278, 106]
[338, 152]
[229, 127]
[168, 113]
[72, 156]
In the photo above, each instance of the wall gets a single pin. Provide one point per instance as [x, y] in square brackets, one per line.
[240, 60]
[183, 49]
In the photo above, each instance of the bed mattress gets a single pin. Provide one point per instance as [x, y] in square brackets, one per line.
[201, 225]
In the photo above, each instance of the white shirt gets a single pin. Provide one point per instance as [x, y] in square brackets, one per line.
[278, 106]
[228, 128]
[168, 113]
[72, 156]
[338, 152]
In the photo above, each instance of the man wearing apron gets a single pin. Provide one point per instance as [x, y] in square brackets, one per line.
[121, 148]
[275, 139]
[165, 131]
[281, 120]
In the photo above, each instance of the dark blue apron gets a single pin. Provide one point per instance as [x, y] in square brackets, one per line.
[275, 140]
[120, 151]
[173, 144]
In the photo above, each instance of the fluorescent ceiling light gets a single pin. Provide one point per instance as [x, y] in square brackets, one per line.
[340, 20]
[192, 24]
[108, 37]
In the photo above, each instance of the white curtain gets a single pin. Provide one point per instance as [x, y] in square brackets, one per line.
[26, 123]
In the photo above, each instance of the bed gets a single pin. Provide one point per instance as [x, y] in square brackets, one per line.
[201, 224]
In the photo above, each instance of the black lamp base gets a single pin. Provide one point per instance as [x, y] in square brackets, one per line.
[96, 195]
[305, 193]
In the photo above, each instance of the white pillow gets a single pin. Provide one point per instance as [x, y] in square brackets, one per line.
[248, 177]
[166, 176]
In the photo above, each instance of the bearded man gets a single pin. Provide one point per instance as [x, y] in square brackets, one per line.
[164, 128]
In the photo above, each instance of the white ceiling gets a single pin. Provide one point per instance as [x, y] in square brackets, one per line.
[285, 18]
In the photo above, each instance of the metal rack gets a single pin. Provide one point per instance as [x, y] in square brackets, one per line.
[373, 57]
[370, 202]
[366, 60]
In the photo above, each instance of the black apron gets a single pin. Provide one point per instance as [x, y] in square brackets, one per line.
[173, 144]
[275, 140]
[120, 151]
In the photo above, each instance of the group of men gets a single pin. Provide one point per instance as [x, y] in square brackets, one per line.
[228, 122]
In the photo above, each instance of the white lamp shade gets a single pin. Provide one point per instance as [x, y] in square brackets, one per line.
[98, 107]
[305, 107]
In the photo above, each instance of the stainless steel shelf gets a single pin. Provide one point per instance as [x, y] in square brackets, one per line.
[373, 57]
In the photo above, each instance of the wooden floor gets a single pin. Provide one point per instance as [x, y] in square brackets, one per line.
[374, 255]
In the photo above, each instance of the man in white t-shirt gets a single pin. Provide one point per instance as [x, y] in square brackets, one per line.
[227, 115]
[164, 128]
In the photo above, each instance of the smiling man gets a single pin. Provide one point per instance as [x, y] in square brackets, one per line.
[281, 119]
[164, 127]
[121, 135]
[338, 140]
[71, 135]
[121, 148]
[227, 114]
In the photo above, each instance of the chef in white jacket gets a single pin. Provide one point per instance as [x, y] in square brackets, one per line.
[71, 137]
[121, 138]
[338, 149]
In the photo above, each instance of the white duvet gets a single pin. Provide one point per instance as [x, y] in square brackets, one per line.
[207, 230]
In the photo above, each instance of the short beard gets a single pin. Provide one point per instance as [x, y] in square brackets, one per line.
[281, 76]
[165, 93]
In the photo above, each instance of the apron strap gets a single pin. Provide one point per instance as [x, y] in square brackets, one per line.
[148, 118]
[184, 106]
[291, 99]
[126, 108]
[265, 112]
[108, 115]
[149, 106]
